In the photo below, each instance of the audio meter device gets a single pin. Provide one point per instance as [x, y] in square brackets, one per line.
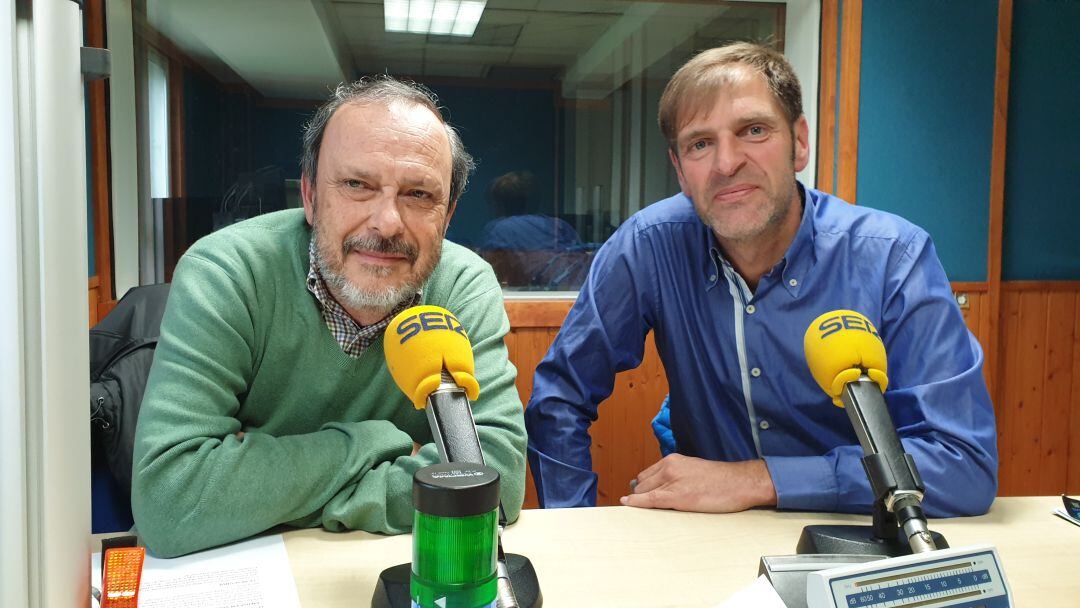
[966, 577]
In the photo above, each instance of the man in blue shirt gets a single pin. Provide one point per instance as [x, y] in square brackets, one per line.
[728, 275]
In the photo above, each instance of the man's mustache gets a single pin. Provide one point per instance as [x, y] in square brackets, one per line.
[378, 244]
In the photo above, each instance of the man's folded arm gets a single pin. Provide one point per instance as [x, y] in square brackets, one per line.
[937, 398]
[603, 334]
[195, 482]
[959, 475]
[381, 501]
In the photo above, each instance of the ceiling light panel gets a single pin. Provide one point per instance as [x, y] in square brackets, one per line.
[442, 17]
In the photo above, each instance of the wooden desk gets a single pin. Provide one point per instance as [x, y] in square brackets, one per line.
[621, 556]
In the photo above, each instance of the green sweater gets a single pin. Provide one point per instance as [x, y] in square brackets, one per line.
[327, 438]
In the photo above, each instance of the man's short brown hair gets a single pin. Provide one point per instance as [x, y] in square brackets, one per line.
[694, 86]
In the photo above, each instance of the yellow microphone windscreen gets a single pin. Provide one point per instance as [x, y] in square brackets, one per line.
[419, 343]
[842, 345]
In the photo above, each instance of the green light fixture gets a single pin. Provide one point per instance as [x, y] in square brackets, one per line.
[454, 536]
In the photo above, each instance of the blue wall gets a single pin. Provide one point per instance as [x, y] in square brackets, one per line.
[1042, 178]
[229, 133]
[278, 133]
[505, 130]
[926, 121]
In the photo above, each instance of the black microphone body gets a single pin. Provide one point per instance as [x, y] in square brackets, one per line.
[894, 478]
[452, 426]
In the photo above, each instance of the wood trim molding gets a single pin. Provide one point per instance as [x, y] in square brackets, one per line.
[176, 212]
[99, 157]
[826, 140]
[970, 286]
[177, 185]
[537, 313]
[997, 194]
[1043, 286]
[780, 23]
[850, 66]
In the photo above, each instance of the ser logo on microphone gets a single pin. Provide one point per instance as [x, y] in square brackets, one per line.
[832, 325]
[428, 321]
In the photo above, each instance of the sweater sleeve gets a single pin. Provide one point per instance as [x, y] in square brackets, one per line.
[195, 484]
[381, 500]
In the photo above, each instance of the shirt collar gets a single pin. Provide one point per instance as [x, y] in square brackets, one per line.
[794, 266]
[800, 257]
[351, 336]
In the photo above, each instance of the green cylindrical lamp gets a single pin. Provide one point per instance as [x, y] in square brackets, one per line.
[455, 533]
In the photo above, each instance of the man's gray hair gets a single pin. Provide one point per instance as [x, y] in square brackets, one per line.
[384, 89]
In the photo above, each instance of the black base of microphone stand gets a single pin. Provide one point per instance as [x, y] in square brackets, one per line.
[885, 537]
[392, 590]
[856, 540]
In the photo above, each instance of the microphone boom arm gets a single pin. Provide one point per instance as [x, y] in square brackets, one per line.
[894, 478]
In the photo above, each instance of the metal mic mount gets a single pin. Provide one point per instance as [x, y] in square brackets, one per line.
[899, 524]
[894, 478]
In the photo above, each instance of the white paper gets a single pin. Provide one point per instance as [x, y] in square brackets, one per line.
[251, 574]
[759, 594]
[1064, 515]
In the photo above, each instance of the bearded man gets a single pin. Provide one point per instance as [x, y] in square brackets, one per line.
[269, 401]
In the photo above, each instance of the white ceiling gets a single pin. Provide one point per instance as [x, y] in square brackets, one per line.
[299, 48]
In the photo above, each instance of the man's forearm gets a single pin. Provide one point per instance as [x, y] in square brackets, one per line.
[203, 492]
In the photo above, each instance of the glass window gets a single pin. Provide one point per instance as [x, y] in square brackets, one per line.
[157, 81]
[556, 99]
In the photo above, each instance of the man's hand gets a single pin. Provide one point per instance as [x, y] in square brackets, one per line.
[684, 483]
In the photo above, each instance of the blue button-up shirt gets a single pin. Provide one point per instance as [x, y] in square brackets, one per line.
[739, 385]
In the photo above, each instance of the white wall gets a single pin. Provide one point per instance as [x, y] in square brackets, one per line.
[13, 571]
[44, 363]
[122, 146]
[802, 48]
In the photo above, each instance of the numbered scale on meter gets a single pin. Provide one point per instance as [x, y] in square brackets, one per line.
[966, 577]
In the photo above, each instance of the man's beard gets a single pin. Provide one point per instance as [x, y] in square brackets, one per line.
[779, 205]
[383, 299]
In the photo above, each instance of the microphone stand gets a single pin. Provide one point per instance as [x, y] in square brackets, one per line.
[899, 525]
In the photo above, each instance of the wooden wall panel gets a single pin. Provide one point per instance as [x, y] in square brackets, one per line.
[850, 66]
[623, 443]
[1057, 390]
[527, 346]
[93, 296]
[1026, 438]
[1037, 410]
[826, 141]
[1072, 481]
[1008, 392]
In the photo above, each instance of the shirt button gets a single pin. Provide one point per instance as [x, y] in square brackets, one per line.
[712, 277]
[750, 309]
[755, 372]
[793, 282]
[763, 425]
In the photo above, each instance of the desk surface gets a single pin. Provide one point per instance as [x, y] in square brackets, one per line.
[637, 557]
